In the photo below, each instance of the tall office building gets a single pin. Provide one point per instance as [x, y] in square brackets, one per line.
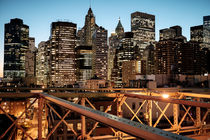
[201, 33]
[196, 34]
[100, 53]
[93, 35]
[170, 33]
[149, 59]
[62, 54]
[126, 51]
[16, 43]
[143, 27]
[30, 63]
[84, 63]
[175, 55]
[42, 63]
[206, 31]
[114, 42]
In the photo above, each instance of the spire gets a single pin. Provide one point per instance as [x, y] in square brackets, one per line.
[119, 29]
[90, 11]
[119, 25]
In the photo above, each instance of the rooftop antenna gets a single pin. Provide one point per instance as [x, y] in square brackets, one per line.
[90, 3]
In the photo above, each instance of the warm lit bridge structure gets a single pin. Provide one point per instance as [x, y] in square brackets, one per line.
[195, 104]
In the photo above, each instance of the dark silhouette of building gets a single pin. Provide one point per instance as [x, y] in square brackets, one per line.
[206, 31]
[114, 43]
[16, 43]
[174, 55]
[196, 33]
[84, 55]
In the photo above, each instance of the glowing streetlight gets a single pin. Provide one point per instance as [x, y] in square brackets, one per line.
[165, 96]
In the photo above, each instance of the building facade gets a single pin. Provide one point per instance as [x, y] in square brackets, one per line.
[84, 60]
[96, 36]
[177, 56]
[30, 63]
[62, 54]
[143, 27]
[16, 43]
[206, 31]
[115, 41]
[42, 63]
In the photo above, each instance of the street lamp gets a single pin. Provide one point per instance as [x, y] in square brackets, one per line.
[165, 96]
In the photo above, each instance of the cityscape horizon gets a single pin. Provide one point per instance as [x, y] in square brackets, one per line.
[125, 19]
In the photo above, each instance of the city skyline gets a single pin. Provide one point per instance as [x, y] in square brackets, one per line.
[40, 21]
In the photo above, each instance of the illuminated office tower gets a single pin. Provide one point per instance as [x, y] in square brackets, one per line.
[84, 63]
[206, 31]
[143, 27]
[196, 34]
[62, 54]
[114, 42]
[16, 43]
[96, 36]
[42, 63]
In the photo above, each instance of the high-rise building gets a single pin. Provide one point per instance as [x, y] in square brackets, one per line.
[114, 42]
[196, 34]
[201, 33]
[170, 33]
[62, 54]
[93, 35]
[30, 63]
[16, 43]
[206, 31]
[84, 63]
[42, 63]
[168, 57]
[130, 69]
[100, 53]
[175, 55]
[143, 27]
[126, 51]
[149, 59]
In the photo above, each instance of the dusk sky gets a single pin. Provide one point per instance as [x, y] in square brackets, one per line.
[38, 14]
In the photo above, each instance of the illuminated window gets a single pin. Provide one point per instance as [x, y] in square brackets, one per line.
[79, 126]
[101, 108]
[71, 125]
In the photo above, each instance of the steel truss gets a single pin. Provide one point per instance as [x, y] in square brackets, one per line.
[121, 128]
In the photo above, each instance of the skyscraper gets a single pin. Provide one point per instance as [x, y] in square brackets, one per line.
[143, 27]
[96, 36]
[125, 51]
[16, 43]
[206, 31]
[170, 33]
[175, 55]
[196, 33]
[100, 53]
[30, 62]
[62, 53]
[42, 63]
[114, 42]
[84, 63]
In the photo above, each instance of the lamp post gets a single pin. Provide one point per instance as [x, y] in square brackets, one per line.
[206, 74]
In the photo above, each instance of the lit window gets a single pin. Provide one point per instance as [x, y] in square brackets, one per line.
[79, 126]
[101, 108]
[71, 125]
